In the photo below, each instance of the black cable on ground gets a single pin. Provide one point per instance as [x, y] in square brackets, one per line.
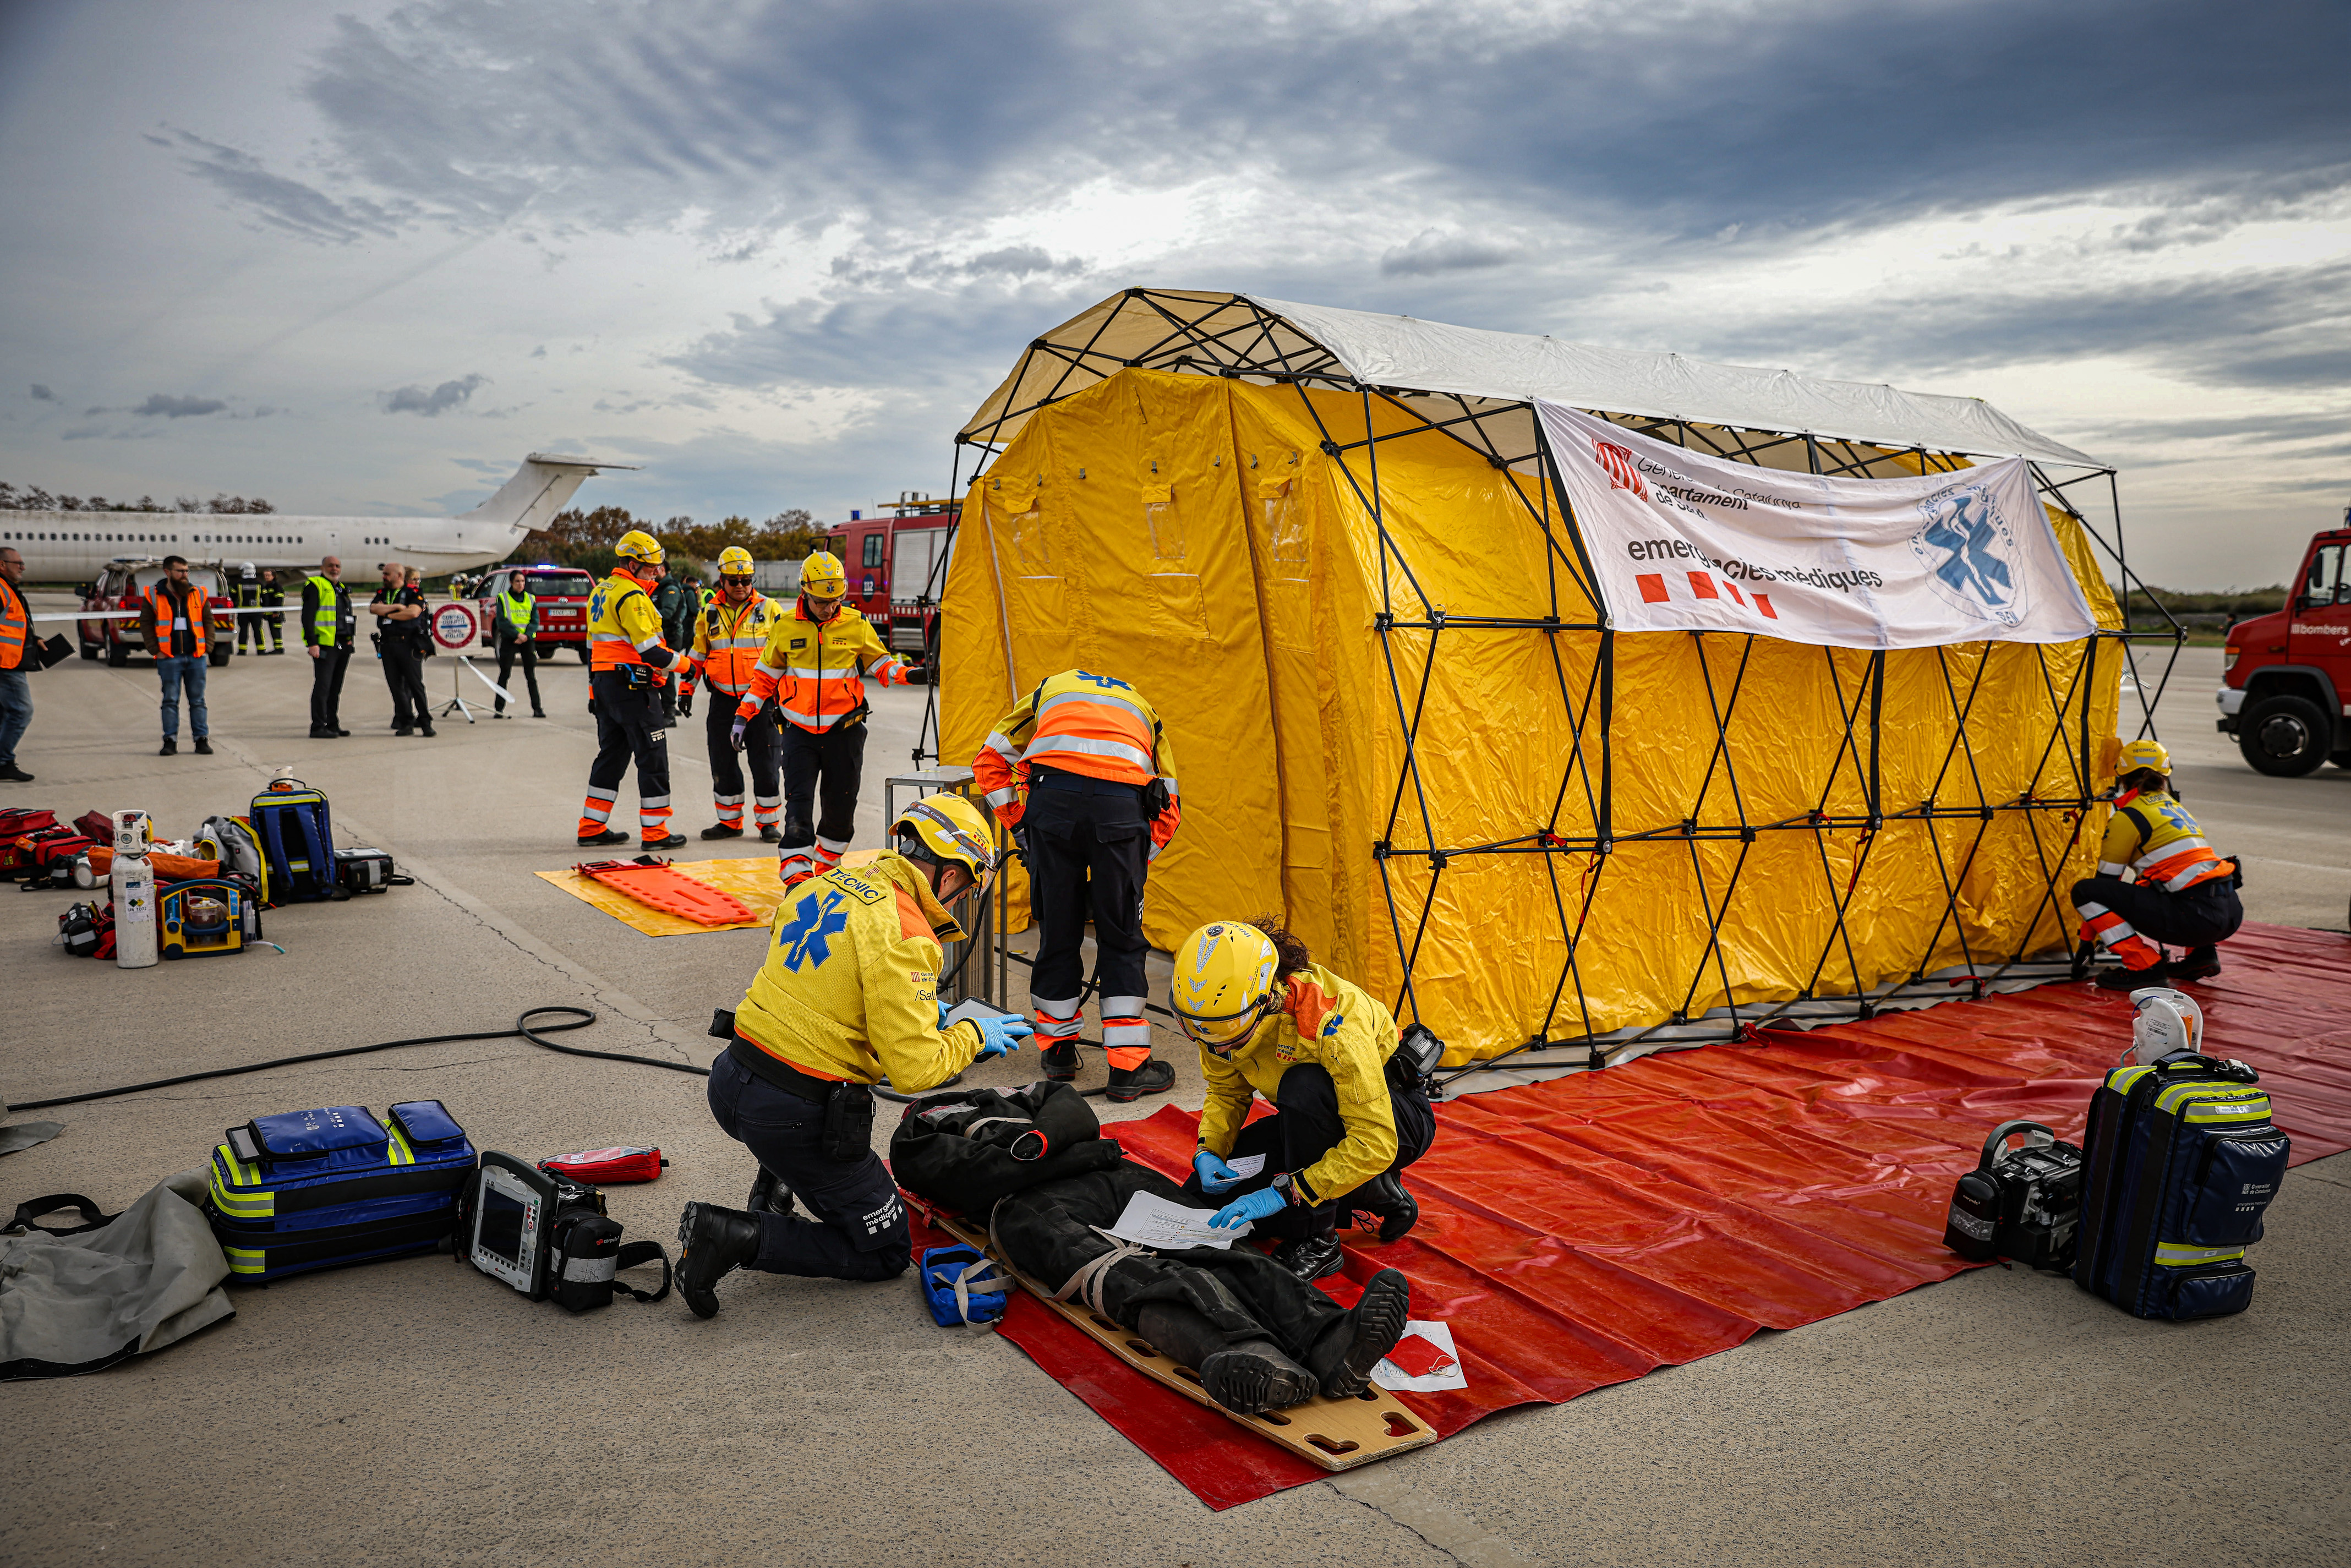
[580, 1017]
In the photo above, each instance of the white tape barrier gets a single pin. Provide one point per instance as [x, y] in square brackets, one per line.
[503, 695]
[135, 615]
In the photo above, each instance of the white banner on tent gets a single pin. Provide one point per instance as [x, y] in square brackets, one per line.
[1683, 541]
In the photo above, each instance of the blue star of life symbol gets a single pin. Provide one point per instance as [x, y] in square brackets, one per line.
[813, 920]
[1107, 683]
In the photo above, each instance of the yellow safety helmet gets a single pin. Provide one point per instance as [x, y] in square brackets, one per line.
[735, 561]
[1223, 984]
[639, 546]
[948, 828]
[2143, 754]
[822, 575]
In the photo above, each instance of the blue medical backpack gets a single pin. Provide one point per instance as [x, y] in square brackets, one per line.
[298, 840]
[313, 1189]
[2180, 1163]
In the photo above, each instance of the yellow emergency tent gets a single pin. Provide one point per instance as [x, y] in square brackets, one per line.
[1327, 547]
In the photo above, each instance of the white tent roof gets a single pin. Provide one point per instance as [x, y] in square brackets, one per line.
[1183, 330]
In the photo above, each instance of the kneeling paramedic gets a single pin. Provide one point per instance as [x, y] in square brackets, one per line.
[626, 658]
[2182, 892]
[814, 667]
[1347, 1118]
[1083, 777]
[731, 633]
[847, 996]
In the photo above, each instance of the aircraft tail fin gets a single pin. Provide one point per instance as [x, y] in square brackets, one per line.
[537, 491]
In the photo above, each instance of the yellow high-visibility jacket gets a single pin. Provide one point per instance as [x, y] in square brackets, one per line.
[849, 989]
[2153, 834]
[816, 670]
[1338, 1028]
[728, 640]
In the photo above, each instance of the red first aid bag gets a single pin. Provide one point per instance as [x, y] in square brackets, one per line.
[593, 1167]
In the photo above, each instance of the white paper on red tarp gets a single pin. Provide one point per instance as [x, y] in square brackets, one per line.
[1683, 541]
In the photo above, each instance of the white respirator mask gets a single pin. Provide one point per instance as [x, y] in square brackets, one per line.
[2168, 1021]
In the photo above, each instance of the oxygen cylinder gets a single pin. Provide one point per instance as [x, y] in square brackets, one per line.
[133, 879]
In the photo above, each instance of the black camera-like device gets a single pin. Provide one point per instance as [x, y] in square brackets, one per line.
[2023, 1203]
[547, 1236]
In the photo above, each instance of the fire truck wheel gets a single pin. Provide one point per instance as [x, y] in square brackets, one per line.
[582, 649]
[2285, 736]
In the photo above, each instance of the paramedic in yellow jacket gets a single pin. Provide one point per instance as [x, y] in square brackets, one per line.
[2181, 891]
[817, 659]
[1269, 1020]
[848, 995]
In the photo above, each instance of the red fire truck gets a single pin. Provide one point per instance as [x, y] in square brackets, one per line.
[2285, 690]
[896, 562]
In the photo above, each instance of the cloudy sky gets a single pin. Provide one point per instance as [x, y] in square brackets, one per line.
[360, 259]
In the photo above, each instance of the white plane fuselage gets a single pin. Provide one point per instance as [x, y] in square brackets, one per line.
[74, 546]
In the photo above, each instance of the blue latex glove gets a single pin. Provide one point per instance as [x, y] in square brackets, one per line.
[1249, 1205]
[943, 1014]
[734, 735]
[998, 1035]
[1215, 1175]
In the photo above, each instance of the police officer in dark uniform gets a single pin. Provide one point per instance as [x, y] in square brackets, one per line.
[514, 619]
[679, 604]
[401, 639]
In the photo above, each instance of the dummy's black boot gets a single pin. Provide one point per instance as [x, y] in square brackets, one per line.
[1344, 1357]
[769, 1193]
[2133, 980]
[711, 1242]
[1060, 1061]
[1310, 1256]
[1154, 1077]
[2196, 964]
[1244, 1376]
[1385, 1200]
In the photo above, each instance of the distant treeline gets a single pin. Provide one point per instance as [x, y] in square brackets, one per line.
[33, 499]
[2233, 602]
[586, 539]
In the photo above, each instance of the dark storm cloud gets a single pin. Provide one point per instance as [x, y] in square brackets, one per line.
[2287, 327]
[43, 395]
[1433, 250]
[1690, 116]
[170, 407]
[438, 400]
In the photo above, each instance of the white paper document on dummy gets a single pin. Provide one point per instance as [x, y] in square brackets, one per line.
[1153, 1221]
[973, 1009]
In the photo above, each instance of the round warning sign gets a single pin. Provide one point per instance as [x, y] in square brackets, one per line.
[454, 627]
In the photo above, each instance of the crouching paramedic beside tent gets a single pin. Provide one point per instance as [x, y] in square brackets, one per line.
[2180, 890]
[1561, 698]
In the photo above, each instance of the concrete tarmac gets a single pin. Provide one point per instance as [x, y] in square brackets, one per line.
[415, 1412]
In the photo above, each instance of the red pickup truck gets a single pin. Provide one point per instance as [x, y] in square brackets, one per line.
[2285, 686]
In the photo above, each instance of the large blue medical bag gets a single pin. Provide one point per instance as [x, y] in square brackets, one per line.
[313, 1189]
[298, 840]
[2179, 1162]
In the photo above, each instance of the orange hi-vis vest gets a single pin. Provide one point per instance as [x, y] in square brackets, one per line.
[2154, 835]
[622, 623]
[15, 622]
[728, 641]
[1078, 722]
[200, 624]
[816, 670]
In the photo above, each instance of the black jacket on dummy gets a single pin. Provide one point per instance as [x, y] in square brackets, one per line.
[963, 1151]
[967, 1149]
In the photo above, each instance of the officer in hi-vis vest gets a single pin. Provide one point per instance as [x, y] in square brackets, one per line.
[328, 629]
[626, 661]
[514, 620]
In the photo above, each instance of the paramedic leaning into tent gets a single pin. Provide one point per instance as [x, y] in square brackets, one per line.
[1269, 1020]
[848, 995]
[2182, 892]
[1099, 806]
[625, 659]
[815, 668]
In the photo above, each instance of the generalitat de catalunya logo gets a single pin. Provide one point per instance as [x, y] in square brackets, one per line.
[1617, 460]
[1974, 561]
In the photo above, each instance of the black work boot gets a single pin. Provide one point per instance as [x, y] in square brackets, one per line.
[1385, 1200]
[723, 831]
[2133, 979]
[1310, 1256]
[2196, 964]
[666, 842]
[711, 1242]
[1060, 1061]
[769, 1193]
[1344, 1357]
[772, 834]
[609, 836]
[1154, 1077]
[204, 748]
[1244, 1376]
[171, 749]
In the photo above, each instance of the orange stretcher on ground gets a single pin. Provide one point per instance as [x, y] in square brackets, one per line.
[662, 886]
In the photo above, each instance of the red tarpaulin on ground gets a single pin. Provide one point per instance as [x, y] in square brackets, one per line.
[1584, 1231]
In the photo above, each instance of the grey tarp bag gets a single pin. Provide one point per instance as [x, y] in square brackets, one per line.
[81, 1299]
